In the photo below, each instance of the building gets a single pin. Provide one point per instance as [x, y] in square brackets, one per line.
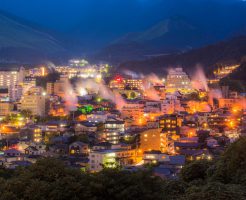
[217, 120]
[10, 79]
[170, 106]
[85, 127]
[170, 161]
[113, 128]
[117, 83]
[134, 110]
[153, 157]
[60, 86]
[152, 107]
[50, 88]
[6, 108]
[33, 102]
[134, 84]
[78, 62]
[78, 148]
[150, 140]
[28, 83]
[37, 135]
[227, 103]
[170, 126]
[169, 122]
[4, 94]
[111, 158]
[97, 117]
[178, 80]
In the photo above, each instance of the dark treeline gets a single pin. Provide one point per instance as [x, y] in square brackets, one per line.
[222, 179]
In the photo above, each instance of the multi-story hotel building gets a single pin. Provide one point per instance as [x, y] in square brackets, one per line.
[178, 80]
[10, 79]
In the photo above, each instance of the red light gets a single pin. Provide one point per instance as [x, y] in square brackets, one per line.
[118, 79]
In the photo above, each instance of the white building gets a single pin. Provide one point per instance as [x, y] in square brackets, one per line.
[111, 158]
[113, 128]
[34, 102]
[97, 117]
[178, 80]
[170, 106]
[11, 79]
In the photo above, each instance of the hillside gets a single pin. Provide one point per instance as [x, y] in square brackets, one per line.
[167, 36]
[227, 52]
[20, 42]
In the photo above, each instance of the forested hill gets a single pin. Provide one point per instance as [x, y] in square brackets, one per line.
[232, 51]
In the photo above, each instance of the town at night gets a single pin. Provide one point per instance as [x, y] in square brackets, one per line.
[134, 99]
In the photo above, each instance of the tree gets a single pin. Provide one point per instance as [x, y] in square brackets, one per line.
[132, 95]
[202, 136]
[231, 167]
[195, 170]
[215, 191]
[51, 179]
[26, 113]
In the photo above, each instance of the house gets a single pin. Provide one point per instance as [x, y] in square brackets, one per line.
[102, 146]
[56, 126]
[12, 153]
[211, 142]
[30, 150]
[169, 161]
[85, 127]
[192, 150]
[78, 148]
[98, 116]
[196, 154]
[35, 149]
[10, 156]
[155, 157]
[60, 149]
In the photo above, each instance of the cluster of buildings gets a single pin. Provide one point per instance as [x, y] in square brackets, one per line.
[222, 72]
[164, 124]
[83, 69]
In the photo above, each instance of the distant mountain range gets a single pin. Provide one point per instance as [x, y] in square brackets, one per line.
[174, 35]
[232, 51]
[22, 42]
[172, 41]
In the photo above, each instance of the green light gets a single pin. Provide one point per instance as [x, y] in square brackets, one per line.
[86, 109]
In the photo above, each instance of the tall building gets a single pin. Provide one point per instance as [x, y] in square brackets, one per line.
[10, 79]
[150, 140]
[34, 101]
[170, 131]
[50, 88]
[60, 86]
[169, 123]
[178, 80]
[113, 128]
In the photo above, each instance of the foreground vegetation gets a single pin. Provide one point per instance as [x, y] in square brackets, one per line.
[50, 179]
